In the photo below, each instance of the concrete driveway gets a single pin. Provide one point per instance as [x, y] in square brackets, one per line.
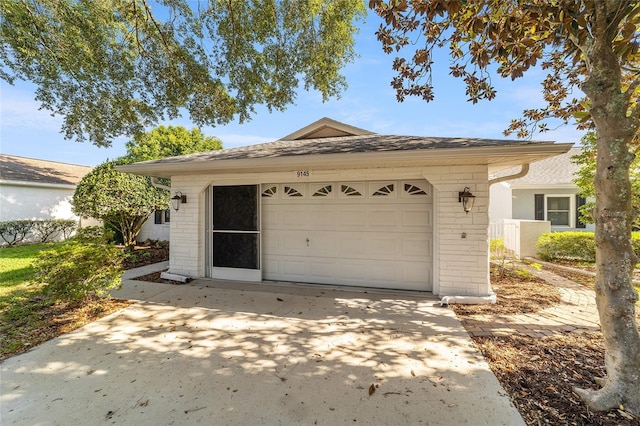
[242, 354]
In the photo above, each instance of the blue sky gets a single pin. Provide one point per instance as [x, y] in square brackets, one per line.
[369, 103]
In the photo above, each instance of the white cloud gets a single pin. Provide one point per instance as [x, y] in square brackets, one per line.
[19, 109]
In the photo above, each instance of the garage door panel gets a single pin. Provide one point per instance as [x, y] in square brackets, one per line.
[322, 218]
[382, 219]
[353, 271]
[416, 246]
[414, 273]
[322, 244]
[382, 273]
[294, 219]
[322, 271]
[416, 218]
[384, 247]
[353, 247]
[374, 241]
[351, 218]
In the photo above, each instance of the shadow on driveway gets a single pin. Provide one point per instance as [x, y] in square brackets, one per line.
[228, 354]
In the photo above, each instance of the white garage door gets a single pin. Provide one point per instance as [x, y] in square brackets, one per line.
[371, 234]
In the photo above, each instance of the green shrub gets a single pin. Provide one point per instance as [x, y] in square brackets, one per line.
[45, 230]
[83, 265]
[14, 231]
[567, 245]
[574, 246]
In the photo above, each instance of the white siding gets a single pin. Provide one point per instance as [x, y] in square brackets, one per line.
[461, 265]
[26, 202]
[461, 241]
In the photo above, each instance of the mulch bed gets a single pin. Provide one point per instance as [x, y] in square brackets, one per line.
[57, 319]
[154, 277]
[540, 374]
[515, 295]
[146, 255]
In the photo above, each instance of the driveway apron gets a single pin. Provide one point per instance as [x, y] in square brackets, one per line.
[244, 354]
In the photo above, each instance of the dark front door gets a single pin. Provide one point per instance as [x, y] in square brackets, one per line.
[236, 234]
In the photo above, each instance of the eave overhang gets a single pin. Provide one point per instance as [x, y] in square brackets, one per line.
[496, 157]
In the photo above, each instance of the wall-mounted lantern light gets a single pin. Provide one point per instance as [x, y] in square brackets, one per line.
[178, 199]
[467, 199]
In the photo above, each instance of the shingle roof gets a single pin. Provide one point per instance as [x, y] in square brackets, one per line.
[558, 170]
[340, 145]
[22, 169]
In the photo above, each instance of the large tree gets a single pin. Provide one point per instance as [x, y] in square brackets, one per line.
[591, 45]
[586, 159]
[169, 141]
[116, 67]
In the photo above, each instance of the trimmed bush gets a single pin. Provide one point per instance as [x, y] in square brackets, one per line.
[567, 245]
[83, 265]
[15, 231]
[574, 246]
[46, 230]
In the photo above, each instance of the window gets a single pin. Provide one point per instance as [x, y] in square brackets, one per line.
[161, 216]
[559, 210]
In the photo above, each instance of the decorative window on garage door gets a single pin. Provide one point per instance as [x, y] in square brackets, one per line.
[352, 189]
[412, 189]
[322, 190]
[270, 191]
[382, 189]
[296, 191]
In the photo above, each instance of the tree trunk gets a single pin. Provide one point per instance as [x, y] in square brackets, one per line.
[615, 259]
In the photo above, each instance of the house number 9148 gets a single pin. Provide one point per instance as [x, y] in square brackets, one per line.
[303, 173]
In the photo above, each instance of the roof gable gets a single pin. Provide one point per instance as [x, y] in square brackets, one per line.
[326, 128]
[316, 146]
[22, 169]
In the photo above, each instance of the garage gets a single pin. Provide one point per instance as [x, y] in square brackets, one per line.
[369, 234]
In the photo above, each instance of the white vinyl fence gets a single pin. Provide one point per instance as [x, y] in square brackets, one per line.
[520, 236]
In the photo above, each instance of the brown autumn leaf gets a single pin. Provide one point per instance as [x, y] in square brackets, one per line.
[372, 389]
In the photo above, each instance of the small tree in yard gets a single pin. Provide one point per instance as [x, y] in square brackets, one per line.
[591, 45]
[122, 200]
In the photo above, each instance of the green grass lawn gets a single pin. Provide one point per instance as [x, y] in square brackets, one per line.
[20, 296]
[29, 317]
[16, 272]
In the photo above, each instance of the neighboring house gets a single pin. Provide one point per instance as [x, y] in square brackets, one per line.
[335, 204]
[37, 189]
[41, 189]
[547, 192]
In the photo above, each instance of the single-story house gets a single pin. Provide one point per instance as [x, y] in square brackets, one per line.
[335, 204]
[547, 192]
[37, 189]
